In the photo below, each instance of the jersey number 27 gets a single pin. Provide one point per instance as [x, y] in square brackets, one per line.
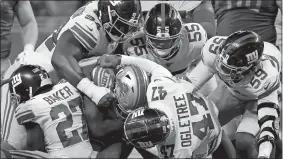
[68, 123]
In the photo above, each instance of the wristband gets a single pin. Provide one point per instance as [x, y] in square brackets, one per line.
[29, 48]
[94, 92]
[265, 149]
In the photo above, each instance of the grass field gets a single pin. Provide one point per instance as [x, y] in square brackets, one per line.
[47, 25]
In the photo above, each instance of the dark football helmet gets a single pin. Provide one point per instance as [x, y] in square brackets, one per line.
[238, 56]
[26, 82]
[163, 25]
[145, 128]
[119, 17]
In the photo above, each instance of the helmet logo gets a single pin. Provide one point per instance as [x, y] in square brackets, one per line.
[114, 3]
[252, 57]
[16, 80]
[163, 32]
[146, 144]
[138, 113]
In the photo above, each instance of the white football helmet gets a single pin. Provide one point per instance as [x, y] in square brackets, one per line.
[130, 89]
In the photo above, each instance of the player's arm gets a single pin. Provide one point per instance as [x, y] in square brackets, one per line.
[67, 53]
[226, 147]
[97, 126]
[268, 112]
[200, 75]
[204, 15]
[205, 69]
[35, 137]
[28, 23]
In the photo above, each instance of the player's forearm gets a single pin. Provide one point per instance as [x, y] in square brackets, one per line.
[102, 128]
[35, 137]
[147, 65]
[228, 146]
[67, 68]
[30, 35]
[200, 75]
[267, 114]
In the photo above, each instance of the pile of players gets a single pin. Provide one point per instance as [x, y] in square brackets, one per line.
[170, 87]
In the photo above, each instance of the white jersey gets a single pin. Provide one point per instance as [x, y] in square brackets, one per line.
[262, 88]
[60, 116]
[265, 81]
[196, 131]
[193, 38]
[87, 29]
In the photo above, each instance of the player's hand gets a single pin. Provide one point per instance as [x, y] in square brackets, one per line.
[109, 61]
[107, 100]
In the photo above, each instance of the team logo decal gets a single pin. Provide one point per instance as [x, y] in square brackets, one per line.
[252, 57]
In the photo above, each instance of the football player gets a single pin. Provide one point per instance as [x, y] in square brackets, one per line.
[248, 71]
[169, 42]
[129, 83]
[52, 115]
[200, 11]
[86, 34]
[182, 124]
[82, 32]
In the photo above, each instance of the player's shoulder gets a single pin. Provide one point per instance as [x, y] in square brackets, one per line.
[25, 112]
[269, 77]
[85, 25]
[196, 33]
[211, 48]
[273, 55]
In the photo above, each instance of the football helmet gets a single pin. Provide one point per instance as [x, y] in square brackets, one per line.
[119, 17]
[145, 127]
[130, 89]
[26, 82]
[238, 56]
[163, 25]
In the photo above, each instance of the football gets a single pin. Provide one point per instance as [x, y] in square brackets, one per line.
[103, 77]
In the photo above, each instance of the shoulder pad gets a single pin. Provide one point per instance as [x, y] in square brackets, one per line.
[85, 27]
[210, 49]
[273, 54]
[196, 33]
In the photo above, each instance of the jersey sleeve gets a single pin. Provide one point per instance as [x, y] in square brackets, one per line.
[210, 50]
[24, 113]
[273, 54]
[270, 86]
[84, 27]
